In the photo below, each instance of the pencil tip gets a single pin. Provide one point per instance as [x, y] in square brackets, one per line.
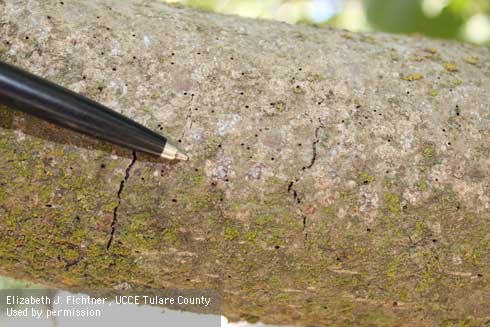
[181, 156]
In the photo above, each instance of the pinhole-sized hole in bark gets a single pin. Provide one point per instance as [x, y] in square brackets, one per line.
[107, 28]
[231, 58]
[134, 35]
[172, 63]
[248, 148]
[343, 121]
[437, 179]
[358, 106]
[448, 143]
[27, 38]
[84, 77]
[174, 200]
[185, 93]
[229, 276]
[48, 205]
[114, 69]
[134, 57]
[212, 111]
[102, 53]
[246, 106]
[48, 17]
[479, 275]
[219, 145]
[368, 230]
[102, 166]
[299, 144]
[408, 92]
[62, 3]
[241, 93]
[98, 17]
[338, 259]
[180, 141]
[395, 304]
[277, 247]
[272, 158]
[458, 207]
[256, 135]
[242, 144]
[198, 53]
[100, 88]
[173, 53]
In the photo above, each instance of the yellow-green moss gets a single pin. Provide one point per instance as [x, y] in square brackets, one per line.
[473, 60]
[231, 233]
[450, 67]
[412, 77]
[391, 202]
[364, 178]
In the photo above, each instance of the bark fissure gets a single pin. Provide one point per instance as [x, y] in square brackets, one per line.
[119, 192]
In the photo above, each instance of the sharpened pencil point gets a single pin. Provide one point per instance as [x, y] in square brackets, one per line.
[181, 156]
[172, 153]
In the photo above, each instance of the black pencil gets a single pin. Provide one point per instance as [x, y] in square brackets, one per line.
[39, 97]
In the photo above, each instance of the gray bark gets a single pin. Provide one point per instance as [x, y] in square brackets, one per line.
[335, 178]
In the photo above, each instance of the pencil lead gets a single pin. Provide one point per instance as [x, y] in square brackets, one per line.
[181, 156]
[172, 153]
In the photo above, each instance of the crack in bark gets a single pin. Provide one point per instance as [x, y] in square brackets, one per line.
[121, 187]
[313, 160]
[315, 142]
[70, 264]
[188, 118]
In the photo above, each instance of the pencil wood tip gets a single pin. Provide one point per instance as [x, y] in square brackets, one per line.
[181, 156]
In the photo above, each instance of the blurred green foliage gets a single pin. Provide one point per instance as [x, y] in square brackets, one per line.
[409, 16]
[467, 20]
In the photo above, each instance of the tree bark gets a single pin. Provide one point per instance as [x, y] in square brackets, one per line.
[334, 178]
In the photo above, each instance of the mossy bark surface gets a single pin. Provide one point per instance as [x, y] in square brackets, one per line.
[334, 178]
